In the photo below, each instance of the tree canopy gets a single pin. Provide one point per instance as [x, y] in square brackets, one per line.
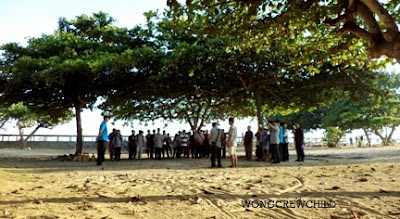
[68, 69]
[339, 22]
[205, 60]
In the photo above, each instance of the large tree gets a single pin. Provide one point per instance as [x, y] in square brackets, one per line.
[276, 60]
[68, 69]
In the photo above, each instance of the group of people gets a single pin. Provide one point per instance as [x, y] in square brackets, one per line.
[271, 143]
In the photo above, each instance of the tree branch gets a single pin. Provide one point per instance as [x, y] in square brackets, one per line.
[388, 21]
[391, 133]
[2, 123]
[243, 82]
[358, 31]
[33, 132]
[334, 22]
[378, 134]
[366, 14]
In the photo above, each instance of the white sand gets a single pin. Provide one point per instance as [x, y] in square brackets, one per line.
[364, 183]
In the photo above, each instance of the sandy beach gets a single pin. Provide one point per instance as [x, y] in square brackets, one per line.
[362, 182]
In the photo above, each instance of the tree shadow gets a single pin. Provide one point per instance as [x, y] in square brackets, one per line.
[44, 164]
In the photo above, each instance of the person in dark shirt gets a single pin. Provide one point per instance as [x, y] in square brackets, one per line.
[248, 143]
[258, 136]
[110, 144]
[132, 146]
[299, 142]
[191, 146]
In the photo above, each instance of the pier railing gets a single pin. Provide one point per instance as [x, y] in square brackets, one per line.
[92, 138]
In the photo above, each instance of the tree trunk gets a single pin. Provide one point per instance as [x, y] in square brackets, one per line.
[258, 98]
[367, 135]
[21, 134]
[79, 138]
[338, 140]
[391, 134]
[21, 137]
[2, 123]
[384, 140]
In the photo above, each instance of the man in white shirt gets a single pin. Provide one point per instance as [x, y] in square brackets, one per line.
[216, 144]
[232, 143]
[285, 143]
[158, 143]
[184, 138]
[274, 146]
[140, 144]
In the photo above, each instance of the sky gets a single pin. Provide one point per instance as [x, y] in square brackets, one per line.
[22, 19]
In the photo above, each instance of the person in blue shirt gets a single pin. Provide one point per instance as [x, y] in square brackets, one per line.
[102, 140]
[285, 143]
[281, 140]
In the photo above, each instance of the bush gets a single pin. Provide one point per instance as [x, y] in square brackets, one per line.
[333, 136]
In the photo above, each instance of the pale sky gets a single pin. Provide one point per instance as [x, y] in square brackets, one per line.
[21, 19]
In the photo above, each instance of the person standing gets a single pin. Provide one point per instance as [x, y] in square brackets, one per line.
[184, 143]
[274, 141]
[148, 143]
[102, 140]
[259, 143]
[166, 145]
[176, 145]
[158, 144]
[132, 146]
[117, 143]
[191, 144]
[351, 142]
[198, 143]
[281, 140]
[232, 143]
[216, 144]
[140, 143]
[265, 143]
[110, 144]
[224, 142]
[206, 144]
[248, 143]
[299, 142]
[285, 144]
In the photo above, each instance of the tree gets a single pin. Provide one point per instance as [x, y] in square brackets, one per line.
[374, 111]
[276, 60]
[181, 83]
[26, 118]
[68, 69]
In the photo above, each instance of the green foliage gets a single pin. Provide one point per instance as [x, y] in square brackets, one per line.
[275, 55]
[379, 109]
[333, 136]
[70, 68]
